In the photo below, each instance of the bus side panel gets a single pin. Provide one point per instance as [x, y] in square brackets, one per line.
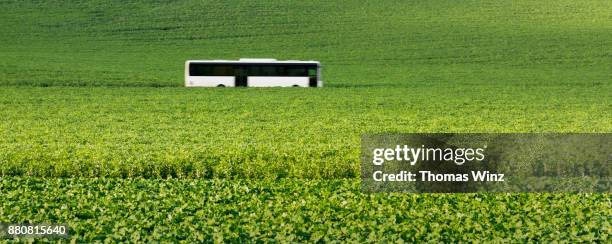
[319, 81]
[282, 81]
[211, 81]
[187, 74]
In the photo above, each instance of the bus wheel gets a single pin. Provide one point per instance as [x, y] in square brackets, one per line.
[220, 85]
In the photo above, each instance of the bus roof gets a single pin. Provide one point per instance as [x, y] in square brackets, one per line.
[254, 61]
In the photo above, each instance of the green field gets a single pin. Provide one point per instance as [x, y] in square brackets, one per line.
[296, 210]
[94, 89]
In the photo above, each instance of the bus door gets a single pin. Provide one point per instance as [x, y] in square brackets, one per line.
[312, 76]
[241, 75]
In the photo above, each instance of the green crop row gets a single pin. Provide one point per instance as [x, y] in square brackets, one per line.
[261, 133]
[295, 210]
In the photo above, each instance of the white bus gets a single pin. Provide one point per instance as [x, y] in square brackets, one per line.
[252, 73]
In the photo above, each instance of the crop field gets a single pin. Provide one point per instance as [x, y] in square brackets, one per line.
[97, 131]
[295, 210]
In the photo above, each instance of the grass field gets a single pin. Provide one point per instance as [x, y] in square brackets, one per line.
[93, 89]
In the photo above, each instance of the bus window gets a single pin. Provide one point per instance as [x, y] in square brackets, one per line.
[312, 71]
[196, 69]
[263, 70]
[269, 71]
[295, 71]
